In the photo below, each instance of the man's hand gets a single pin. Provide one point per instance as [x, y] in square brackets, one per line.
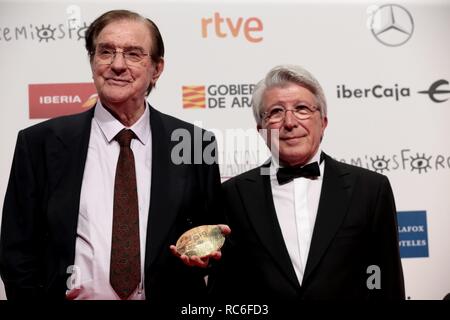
[201, 262]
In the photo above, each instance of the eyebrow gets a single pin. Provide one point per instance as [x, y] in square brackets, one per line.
[126, 48]
[280, 103]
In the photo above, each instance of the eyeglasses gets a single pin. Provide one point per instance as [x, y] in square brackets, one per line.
[131, 56]
[277, 114]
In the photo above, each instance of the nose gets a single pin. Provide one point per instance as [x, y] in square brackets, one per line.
[118, 62]
[290, 121]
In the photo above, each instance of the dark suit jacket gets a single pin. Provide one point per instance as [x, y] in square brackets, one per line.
[40, 212]
[354, 229]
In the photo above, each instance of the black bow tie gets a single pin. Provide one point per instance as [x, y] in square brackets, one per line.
[285, 175]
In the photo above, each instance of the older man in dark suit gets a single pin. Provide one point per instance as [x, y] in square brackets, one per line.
[100, 196]
[306, 226]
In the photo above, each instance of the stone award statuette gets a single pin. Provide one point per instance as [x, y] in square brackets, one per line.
[200, 241]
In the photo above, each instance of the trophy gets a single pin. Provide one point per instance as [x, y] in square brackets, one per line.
[200, 241]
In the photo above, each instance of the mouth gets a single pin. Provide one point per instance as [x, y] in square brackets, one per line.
[291, 140]
[118, 82]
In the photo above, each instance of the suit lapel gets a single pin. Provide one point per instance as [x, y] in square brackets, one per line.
[258, 201]
[333, 204]
[167, 184]
[67, 151]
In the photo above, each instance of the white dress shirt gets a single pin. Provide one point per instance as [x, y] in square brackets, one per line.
[296, 204]
[90, 274]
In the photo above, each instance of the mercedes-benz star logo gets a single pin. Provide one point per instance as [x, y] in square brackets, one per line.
[434, 90]
[392, 25]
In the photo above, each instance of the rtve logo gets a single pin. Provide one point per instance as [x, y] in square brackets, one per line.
[251, 27]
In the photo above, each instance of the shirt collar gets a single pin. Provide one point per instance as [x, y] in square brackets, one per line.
[110, 126]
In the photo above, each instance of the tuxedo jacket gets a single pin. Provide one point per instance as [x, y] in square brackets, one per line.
[41, 208]
[355, 228]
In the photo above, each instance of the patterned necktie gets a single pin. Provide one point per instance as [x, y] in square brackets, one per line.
[285, 175]
[125, 268]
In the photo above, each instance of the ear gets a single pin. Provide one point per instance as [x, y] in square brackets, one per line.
[159, 67]
[324, 123]
[91, 63]
[263, 134]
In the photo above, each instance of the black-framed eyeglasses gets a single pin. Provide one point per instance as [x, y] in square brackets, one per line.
[134, 56]
[277, 114]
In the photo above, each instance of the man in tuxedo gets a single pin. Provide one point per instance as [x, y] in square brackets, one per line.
[95, 200]
[305, 226]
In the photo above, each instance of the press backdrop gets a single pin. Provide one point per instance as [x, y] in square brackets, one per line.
[384, 66]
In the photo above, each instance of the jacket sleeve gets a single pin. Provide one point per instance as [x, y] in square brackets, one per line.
[212, 177]
[19, 248]
[386, 245]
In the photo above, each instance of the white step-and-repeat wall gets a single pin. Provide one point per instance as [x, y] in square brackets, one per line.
[384, 66]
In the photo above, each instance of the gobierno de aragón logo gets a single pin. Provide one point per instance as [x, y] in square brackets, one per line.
[217, 96]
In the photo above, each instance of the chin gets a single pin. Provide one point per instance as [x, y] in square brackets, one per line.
[116, 98]
[293, 157]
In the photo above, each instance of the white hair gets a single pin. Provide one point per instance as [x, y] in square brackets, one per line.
[280, 76]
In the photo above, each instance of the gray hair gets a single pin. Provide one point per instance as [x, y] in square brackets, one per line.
[282, 75]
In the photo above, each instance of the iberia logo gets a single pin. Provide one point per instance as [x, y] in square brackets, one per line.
[59, 99]
[194, 97]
